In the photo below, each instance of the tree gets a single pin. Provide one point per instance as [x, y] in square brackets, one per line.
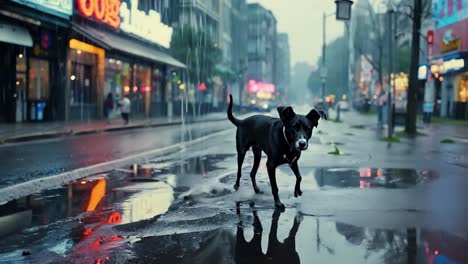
[313, 83]
[337, 77]
[371, 40]
[198, 51]
[411, 105]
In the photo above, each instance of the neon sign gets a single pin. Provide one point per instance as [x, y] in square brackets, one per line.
[60, 8]
[131, 20]
[147, 26]
[106, 11]
[255, 87]
[452, 65]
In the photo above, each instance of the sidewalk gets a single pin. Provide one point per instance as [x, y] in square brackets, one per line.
[439, 130]
[32, 131]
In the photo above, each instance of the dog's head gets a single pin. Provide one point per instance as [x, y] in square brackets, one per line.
[298, 128]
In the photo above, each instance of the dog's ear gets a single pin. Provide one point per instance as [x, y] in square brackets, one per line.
[314, 115]
[286, 113]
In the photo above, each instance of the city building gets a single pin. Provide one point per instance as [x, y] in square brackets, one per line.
[33, 35]
[112, 51]
[283, 64]
[61, 58]
[200, 15]
[261, 44]
[239, 61]
[449, 63]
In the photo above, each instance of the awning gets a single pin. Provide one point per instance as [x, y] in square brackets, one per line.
[15, 35]
[112, 42]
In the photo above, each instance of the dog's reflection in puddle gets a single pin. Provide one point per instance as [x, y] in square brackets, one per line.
[277, 252]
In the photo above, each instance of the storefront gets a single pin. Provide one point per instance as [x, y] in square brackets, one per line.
[125, 57]
[31, 34]
[449, 65]
[451, 75]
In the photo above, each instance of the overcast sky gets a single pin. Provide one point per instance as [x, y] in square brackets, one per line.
[302, 20]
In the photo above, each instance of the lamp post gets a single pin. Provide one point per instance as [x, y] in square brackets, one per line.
[391, 76]
[343, 9]
[343, 12]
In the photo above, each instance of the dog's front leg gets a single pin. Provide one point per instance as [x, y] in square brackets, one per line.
[271, 167]
[297, 188]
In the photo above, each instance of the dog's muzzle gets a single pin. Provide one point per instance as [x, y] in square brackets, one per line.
[301, 144]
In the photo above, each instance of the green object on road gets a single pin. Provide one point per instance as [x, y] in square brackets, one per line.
[447, 141]
[336, 152]
[391, 139]
[349, 134]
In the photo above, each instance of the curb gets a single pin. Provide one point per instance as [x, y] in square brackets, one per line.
[56, 134]
[38, 185]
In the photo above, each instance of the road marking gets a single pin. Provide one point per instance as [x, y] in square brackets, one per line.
[38, 185]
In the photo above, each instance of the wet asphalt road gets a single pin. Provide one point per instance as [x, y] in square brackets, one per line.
[375, 203]
[31, 160]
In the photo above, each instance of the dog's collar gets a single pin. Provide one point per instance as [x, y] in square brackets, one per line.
[285, 138]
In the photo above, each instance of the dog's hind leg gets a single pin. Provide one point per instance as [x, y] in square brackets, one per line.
[240, 159]
[257, 157]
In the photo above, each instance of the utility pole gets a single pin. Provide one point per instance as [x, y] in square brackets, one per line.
[411, 105]
[323, 72]
[391, 75]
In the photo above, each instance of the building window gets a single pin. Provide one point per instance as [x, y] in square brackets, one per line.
[462, 93]
[215, 4]
[118, 78]
[157, 86]
[38, 79]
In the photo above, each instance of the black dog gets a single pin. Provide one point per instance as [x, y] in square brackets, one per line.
[281, 139]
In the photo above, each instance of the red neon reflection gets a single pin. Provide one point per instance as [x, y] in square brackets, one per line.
[87, 231]
[114, 218]
[364, 184]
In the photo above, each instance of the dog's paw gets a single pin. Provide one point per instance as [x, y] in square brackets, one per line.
[236, 187]
[297, 192]
[280, 206]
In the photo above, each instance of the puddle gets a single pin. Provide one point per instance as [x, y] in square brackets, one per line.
[81, 213]
[62, 223]
[372, 177]
[270, 237]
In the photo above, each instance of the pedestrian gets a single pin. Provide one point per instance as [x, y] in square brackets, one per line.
[381, 103]
[125, 106]
[108, 107]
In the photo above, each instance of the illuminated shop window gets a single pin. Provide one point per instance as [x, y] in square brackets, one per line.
[38, 79]
[463, 90]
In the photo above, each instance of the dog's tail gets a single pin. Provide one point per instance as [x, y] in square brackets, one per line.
[231, 118]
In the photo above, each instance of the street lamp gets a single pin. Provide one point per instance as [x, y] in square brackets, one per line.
[343, 9]
[343, 12]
